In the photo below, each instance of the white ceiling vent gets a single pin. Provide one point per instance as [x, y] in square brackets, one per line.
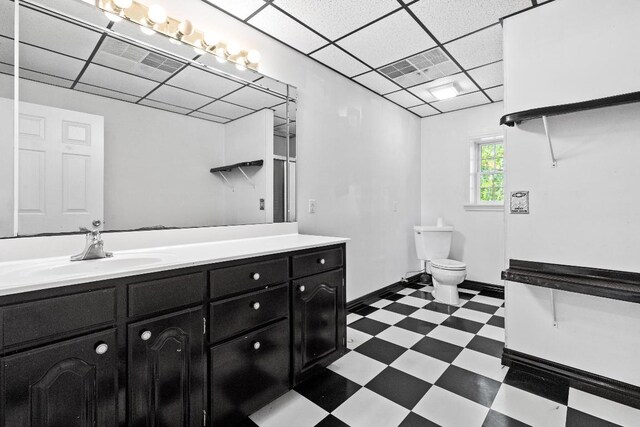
[420, 68]
[133, 59]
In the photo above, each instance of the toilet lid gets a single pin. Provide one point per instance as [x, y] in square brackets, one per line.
[448, 264]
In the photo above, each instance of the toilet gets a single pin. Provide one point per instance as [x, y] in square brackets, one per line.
[432, 245]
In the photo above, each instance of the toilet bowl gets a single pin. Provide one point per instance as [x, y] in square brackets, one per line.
[447, 274]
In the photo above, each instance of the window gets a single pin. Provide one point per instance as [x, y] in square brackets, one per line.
[487, 172]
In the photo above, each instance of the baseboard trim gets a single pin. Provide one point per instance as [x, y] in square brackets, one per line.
[618, 391]
[394, 287]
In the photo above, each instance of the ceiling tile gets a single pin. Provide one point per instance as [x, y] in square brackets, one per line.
[424, 110]
[463, 82]
[448, 19]
[105, 92]
[44, 78]
[461, 101]
[6, 18]
[335, 18]
[339, 61]
[404, 98]
[79, 9]
[203, 82]
[43, 61]
[208, 117]
[489, 75]
[163, 106]
[377, 83]
[496, 93]
[107, 78]
[239, 8]
[278, 25]
[479, 48]
[6, 50]
[7, 69]
[392, 38]
[55, 34]
[178, 97]
[253, 98]
[224, 109]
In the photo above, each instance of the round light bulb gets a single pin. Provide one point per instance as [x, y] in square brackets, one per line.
[233, 48]
[253, 56]
[122, 4]
[148, 31]
[157, 14]
[112, 16]
[185, 28]
[210, 40]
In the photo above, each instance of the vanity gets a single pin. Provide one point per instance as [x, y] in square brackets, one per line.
[190, 335]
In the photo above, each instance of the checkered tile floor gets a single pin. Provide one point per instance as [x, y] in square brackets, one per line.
[416, 362]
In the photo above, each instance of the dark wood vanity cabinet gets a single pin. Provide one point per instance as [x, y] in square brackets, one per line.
[206, 345]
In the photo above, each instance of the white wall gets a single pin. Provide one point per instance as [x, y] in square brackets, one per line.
[156, 162]
[356, 155]
[6, 158]
[247, 139]
[584, 212]
[478, 239]
[599, 38]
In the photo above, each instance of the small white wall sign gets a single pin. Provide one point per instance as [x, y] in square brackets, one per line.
[519, 202]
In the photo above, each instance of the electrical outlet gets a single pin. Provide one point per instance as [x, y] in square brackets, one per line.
[312, 206]
[261, 204]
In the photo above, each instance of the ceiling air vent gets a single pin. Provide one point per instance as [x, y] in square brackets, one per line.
[420, 68]
[134, 59]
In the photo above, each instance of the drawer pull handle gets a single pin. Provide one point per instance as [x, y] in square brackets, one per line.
[321, 261]
[145, 335]
[256, 276]
[101, 348]
[255, 305]
[256, 345]
[301, 288]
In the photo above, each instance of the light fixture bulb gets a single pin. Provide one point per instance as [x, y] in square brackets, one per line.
[156, 15]
[253, 56]
[112, 16]
[220, 55]
[119, 5]
[185, 28]
[210, 40]
[446, 91]
[148, 31]
[233, 48]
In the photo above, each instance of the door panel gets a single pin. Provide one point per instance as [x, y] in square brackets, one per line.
[65, 384]
[166, 370]
[319, 324]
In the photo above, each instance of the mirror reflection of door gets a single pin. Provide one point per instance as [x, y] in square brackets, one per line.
[60, 169]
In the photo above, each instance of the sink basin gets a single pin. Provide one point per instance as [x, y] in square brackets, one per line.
[56, 269]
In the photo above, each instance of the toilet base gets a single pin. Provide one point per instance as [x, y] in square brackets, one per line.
[446, 294]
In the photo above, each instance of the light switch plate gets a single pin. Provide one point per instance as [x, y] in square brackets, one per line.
[312, 206]
[519, 202]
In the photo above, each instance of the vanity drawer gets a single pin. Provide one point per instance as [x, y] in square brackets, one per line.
[245, 277]
[163, 294]
[235, 315]
[37, 320]
[243, 378]
[316, 262]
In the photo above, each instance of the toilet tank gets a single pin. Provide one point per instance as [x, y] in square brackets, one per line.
[432, 242]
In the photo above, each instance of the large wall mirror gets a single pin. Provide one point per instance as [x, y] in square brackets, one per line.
[135, 129]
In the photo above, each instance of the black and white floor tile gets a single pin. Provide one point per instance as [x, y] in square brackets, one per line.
[416, 362]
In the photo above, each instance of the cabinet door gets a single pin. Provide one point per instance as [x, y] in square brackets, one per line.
[71, 383]
[319, 322]
[166, 370]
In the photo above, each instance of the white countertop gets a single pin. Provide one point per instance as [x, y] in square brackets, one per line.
[46, 273]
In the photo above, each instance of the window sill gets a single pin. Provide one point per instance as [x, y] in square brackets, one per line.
[485, 208]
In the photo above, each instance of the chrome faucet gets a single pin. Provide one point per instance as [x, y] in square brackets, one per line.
[95, 246]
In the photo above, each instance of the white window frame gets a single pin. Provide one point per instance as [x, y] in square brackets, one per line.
[474, 202]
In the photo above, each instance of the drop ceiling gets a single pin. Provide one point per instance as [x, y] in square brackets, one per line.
[398, 49]
[72, 55]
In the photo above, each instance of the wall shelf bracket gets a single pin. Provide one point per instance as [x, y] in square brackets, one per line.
[554, 162]
[227, 181]
[249, 180]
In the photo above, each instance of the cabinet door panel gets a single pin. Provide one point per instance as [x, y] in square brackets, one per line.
[166, 370]
[319, 322]
[65, 384]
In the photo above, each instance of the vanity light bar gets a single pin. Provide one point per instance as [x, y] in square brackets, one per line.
[155, 19]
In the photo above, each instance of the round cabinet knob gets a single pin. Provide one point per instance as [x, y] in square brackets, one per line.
[256, 345]
[101, 348]
[321, 261]
[301, 288]
[255, 305]
[256, 276]
[145, 335]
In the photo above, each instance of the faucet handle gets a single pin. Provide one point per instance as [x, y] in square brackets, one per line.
[96, 223]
